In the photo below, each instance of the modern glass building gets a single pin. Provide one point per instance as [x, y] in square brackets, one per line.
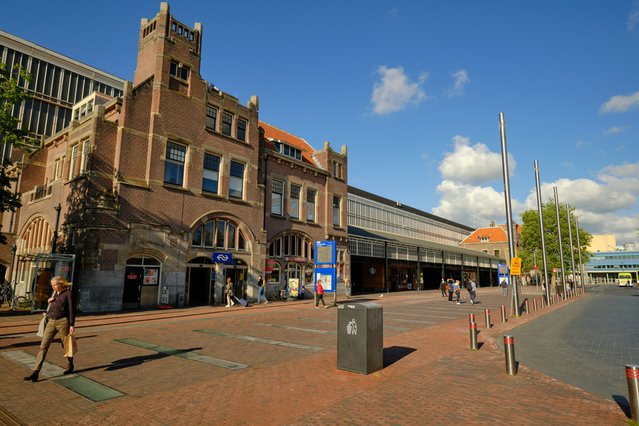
[605, 267]
[57, 83]
[395, 247]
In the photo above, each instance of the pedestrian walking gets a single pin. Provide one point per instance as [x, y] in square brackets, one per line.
[319, 294]
[347, 286]
[228, 291]
[60, 318]
[472, 291]
[442, 287]
[261, 290]
[457, 291]
[504, 287]
[451, 288]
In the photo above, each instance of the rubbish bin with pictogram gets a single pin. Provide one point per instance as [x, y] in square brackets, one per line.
[360, 337]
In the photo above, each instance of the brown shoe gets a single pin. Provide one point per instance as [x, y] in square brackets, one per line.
[33, 376]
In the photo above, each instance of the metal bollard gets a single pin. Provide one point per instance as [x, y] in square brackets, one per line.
[509, 351]
[471, 318]
[527, 306]
[503, 313]
[535, 305]
[543, 302]
[632, 376]
[487, 316]
[473, 336]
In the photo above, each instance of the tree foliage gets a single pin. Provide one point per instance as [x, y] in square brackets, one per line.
[11, 95]
[531, 247]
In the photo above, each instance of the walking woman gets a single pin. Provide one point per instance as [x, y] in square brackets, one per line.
[60, 319]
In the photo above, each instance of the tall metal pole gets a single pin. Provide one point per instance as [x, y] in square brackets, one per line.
[581, 265]
[572, 249]
[542, 233]
[509, 217]
[561, 249]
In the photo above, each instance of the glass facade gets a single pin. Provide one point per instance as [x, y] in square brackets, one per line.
[56, 84]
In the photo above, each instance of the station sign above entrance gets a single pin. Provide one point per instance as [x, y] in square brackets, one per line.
[223, 257]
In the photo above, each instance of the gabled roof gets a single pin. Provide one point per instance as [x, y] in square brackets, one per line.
[495, 234]
[272, 133]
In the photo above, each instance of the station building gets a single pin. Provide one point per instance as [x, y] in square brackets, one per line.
[395, 247]
[165, 186]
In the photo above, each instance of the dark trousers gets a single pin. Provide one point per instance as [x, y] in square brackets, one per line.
[320, 297]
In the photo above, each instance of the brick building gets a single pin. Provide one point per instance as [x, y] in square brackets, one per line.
[493, 239]
[153, 183]
[306, 202]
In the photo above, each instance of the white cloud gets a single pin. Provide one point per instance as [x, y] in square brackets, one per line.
[473, 163]
[582, 143]
[616, 130]
[460, 81]
[588, 195]
[395, 91]
[620, 103]
[630, 170]
[633, 18]
[606, 204]
[471, 205]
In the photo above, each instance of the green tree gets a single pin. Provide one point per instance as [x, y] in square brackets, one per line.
[531, 250]
[12, 94]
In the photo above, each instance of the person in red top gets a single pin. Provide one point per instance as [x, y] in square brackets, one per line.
[319, 292]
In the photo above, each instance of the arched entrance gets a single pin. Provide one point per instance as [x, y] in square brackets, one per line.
[239, 276]
[200, 282]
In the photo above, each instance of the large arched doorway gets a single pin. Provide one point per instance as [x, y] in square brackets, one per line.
[200, 282]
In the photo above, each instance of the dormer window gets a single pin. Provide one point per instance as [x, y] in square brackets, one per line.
[288, 150]
[484, 239]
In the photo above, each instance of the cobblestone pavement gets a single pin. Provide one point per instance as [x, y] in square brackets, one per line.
[277, 364]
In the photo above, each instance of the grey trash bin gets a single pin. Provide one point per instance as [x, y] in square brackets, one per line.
[360, 337]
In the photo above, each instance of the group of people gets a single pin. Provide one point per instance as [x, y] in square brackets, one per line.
[452, 289]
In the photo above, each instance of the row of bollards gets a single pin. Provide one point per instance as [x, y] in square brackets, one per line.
[632, 371]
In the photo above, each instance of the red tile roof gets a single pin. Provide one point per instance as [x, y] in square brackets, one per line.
[273, 133]
[495, 234]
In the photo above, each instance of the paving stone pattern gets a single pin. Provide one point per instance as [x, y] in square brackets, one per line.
[430, 375]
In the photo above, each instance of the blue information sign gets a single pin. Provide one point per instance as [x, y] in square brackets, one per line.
[325, 252]
[222, 257]
[328, 278]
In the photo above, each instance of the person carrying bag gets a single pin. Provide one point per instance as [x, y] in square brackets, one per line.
[60, 318]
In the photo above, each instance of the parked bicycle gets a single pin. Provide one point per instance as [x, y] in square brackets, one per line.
[279, 294]
[14, 302]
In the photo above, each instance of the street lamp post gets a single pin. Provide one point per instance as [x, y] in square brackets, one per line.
[561, 249]
[581, 265]
[542, 233]
[509, 216]
[54, 243]
[572, 250]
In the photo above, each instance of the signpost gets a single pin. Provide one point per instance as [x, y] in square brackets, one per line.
[325, 270]
[515, 266]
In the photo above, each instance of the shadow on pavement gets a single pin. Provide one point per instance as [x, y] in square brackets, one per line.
[623, 403]
[395, 353]
[135, 361]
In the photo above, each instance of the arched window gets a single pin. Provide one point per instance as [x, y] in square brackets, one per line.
[219, 233]
[274, 276]
[294, 245]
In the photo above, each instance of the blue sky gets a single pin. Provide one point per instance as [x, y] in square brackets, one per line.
[414, 90]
